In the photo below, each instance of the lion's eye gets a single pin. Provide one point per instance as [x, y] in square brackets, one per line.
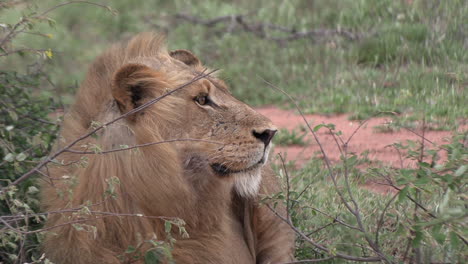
[202, 99]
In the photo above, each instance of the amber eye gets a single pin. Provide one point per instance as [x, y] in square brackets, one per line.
[202, 99]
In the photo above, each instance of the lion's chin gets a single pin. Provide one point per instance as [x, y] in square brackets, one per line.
[247, 183]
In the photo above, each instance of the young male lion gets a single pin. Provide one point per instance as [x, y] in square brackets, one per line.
[212, 181]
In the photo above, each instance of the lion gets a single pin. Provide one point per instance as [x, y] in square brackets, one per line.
[212, 179]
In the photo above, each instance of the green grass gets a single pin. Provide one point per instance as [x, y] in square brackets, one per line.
[410, 59]
[285, 137]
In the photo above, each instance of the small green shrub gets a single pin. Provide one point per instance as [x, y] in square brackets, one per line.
[26, 137]
[421, 220]
[284, 137]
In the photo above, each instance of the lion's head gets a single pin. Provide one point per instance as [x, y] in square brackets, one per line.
[205, 110]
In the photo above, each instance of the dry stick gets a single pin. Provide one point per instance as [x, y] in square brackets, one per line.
[74, 2]
[309, 260]
[355, 211]
[287, 186]
[142, 145]
[399, 156]
[335, 219]
[323, 248]
[320, 228]
[424, 138]
[381, 219]
[67, 147]
[336, 140]
[365, 121]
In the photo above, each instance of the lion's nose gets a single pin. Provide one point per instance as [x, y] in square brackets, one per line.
[264, 135]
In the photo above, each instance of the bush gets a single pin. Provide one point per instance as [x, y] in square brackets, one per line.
[27, 136]
[420, 220]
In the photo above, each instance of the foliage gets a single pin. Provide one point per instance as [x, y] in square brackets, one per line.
[295, 137]
[27, 134]
[26, 137]
[420, 219]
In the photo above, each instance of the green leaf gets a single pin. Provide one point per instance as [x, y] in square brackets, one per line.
[461, 170]
[352, 160]
[21, 156]
[10, 157]
[437, 234]
[32, 190]
[152, 257]
[167, 226]
[316, 128]
[454, 240]
[13, 115]
[417, 238]
[423, 180]
[130, 249]
[402, 194]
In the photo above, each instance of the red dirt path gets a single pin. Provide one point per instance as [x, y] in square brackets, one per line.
[366, 138]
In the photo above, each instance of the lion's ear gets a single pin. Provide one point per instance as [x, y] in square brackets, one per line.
[134, 83]
[186, 57]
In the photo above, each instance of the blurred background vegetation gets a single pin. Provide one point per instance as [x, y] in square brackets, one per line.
[403, 56]
[335, 56]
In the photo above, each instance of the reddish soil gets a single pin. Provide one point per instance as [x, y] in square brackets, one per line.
[366, 138]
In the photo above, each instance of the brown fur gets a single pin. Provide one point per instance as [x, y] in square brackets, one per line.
[172, 179]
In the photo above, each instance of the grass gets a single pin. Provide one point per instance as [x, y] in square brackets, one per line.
[285, 137]
[410, 58]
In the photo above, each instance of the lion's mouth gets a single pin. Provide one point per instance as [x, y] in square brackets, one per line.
[224, 171]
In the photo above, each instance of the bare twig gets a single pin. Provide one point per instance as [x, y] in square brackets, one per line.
[75, 2]
[310, 260]
[320, 228]
[365, 121]
[142, 145]
[335, 219]
[288, 216]
[381, 219]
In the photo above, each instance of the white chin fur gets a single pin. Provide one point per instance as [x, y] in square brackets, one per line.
[247, 184]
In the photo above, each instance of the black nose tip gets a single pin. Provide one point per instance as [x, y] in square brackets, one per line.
[265, 136]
